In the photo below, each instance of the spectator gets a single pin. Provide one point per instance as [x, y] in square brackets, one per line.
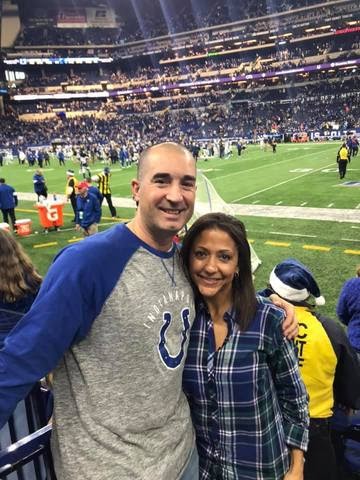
[241, 377]
[19, 286]
[328, 364]
[88, 210]
[348, 309]
[8, 202]
[94, 190]
[19, 283]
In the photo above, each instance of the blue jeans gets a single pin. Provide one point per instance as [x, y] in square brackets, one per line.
[191, 471]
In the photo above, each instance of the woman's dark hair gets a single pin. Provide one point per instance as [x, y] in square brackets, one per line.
[244, 297]
[17, 273]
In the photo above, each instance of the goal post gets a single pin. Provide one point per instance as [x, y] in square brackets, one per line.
[208, 200]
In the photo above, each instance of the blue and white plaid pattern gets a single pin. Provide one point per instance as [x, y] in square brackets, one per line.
[248, 402]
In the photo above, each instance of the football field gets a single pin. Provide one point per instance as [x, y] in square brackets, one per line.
[292, 203]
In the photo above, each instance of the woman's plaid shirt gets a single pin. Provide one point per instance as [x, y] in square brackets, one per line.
[248, 402]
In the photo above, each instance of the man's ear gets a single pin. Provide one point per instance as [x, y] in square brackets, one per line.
[135, 187]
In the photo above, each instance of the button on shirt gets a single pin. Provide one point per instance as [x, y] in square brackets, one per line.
[247, 399]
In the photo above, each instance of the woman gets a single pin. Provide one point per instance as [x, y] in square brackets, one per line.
[19, 283]
[248, 403]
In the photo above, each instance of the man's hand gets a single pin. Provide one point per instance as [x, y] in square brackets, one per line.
[291, 324]
[78, 228]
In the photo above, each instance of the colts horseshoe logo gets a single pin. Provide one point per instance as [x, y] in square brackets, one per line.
[169, 360]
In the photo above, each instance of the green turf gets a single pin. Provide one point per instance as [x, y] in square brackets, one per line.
[294, 175]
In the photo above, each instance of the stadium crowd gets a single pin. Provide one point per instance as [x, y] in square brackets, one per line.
[178, 17]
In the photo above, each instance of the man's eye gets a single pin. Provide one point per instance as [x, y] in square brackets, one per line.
[188, 185]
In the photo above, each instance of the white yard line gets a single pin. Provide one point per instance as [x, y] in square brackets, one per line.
[303, 204]
[279, 203]
[294, 234]
[266, 165]
[330, 205]
[349, 240]
[281, 183]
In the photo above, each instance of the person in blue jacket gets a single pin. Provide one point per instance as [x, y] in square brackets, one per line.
[8, 202]
[348, 309]
[94, 190]
[88, 210]
[40, 187]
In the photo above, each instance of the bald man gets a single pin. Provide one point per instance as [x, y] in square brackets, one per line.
[112, 321]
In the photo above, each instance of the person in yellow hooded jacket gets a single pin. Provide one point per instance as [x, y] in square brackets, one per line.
[328, 364]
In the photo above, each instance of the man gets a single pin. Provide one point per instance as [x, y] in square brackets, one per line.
[343, 157]
[46, 158]
[40, 158]
[8, 202]
[103, 180]
[88, 211]
[94, 190]
[328, 365]
[273, 145]
[71, 190]
[61, 157]
[113, 316]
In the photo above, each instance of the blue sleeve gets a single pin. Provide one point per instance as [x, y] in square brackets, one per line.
[67, 304]
[97, 210]
[342, 308]
[71, 297]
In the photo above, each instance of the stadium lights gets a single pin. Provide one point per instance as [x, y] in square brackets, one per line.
[58, 60]
[257, 34]
[61, 96]
[308, 30]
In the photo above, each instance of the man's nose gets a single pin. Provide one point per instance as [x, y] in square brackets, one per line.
[174, 193]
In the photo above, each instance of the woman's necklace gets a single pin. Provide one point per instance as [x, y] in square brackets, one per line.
[172, 272]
